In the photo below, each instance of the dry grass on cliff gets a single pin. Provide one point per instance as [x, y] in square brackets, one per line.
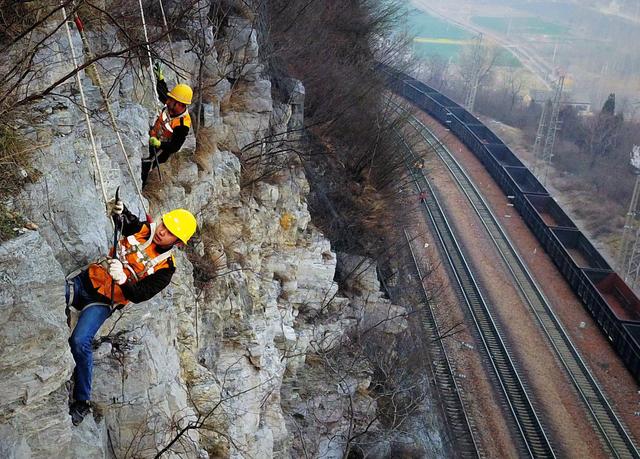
[15, 171]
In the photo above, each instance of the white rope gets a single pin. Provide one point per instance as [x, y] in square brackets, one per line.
[86, 113]
[146, 39]
[105, 97]
[166, 26]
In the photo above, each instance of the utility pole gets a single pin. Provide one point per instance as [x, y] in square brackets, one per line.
[629, 255]
[554, 126]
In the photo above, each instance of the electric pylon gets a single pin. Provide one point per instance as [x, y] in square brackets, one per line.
[554, 126]
[629, 254]
[542, 129]
[472, 89]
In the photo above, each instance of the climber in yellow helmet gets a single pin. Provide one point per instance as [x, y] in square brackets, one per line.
[139, 267]
[170, 129]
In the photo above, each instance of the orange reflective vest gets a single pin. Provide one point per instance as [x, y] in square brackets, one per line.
[139, 256]
[163, 127]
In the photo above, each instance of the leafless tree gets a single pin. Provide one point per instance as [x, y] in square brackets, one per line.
[436, 72]
[476, 65]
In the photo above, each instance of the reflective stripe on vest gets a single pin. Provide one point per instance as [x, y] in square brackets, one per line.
[163, 127]
[140, 250]
[138, 256]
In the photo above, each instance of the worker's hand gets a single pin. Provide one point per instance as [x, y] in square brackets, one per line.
[115, 207]
[157, 70]
[154, 142]
[116, 271]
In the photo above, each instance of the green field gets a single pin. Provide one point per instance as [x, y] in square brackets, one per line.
[423, 25]
[434, 36]
[520, 25]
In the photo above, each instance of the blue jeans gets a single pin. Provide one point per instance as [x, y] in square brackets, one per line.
[93, 315]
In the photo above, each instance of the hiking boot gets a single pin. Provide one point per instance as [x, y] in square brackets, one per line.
[78, 410]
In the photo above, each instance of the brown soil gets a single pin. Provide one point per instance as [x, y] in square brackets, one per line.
[564, 413]
[480, 400]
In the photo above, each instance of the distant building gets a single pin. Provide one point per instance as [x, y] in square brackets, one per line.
[539, 96]
[583, 108]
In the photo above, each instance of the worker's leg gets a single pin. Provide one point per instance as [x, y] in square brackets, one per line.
[90, 321]
[147, 164]
[163, 157]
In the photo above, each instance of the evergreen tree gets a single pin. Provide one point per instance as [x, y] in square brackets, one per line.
[609, 106]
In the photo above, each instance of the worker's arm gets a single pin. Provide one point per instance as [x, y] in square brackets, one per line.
[163, 90]
[177, 139]
[149, 286]
[131, 224]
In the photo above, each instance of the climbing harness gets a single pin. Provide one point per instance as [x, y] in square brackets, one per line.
[139, 249]
[134, 257]
[164, 125]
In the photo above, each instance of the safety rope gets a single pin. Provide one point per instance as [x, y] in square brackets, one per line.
[105, 97]
[146, 39]
[86, 111]
[154, 152]
[166, 26]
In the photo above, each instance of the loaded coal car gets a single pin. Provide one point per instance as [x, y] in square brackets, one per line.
[478, 138]
[464, 116]
[504, 156]
[416, 95]
[463, 132]
[437, 105]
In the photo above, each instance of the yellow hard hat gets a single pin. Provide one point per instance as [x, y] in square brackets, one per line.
[181, 223]
[182, 93]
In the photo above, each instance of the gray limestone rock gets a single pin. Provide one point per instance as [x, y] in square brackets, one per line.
[220, 345]
[35, 362]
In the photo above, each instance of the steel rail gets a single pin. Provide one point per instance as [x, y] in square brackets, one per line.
[612, 430]
[534, 440]
[462, 427]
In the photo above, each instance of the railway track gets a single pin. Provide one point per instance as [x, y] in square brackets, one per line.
[532, 438]
[462, 427]
[613, 433]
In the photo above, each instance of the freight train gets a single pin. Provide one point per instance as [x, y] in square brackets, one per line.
[609, 300]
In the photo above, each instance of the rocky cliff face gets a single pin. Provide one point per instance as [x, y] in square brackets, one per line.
[203, 362]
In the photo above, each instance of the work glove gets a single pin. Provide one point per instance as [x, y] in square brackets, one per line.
[115, 207]
[116, 271]
[154, 142]
[157, 70]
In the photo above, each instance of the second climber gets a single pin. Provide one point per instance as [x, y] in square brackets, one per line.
[170, 129]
